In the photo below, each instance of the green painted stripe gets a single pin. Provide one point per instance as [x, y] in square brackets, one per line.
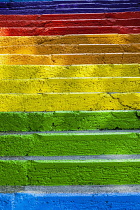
[69, 120]
[64, 172]
[38, 71]
[66, 144]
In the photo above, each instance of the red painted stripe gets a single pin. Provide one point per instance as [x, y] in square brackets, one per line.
[17, 31]
[67, 23]
[120, 15]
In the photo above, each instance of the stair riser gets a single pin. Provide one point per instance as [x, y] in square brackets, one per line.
[122, 15]
[69, 144]
[73, 2]
[69, 49]
[74, 5]
[71, 201]
[67, 121]
[89, 172]
[65, 11]
[70, 59]
[52, 201]
[32, 31]
[62, 23]
[71, 85]
[70, 39]
[42, 72]
[69, 102]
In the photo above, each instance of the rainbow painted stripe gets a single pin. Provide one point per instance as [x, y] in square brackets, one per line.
[69, 66]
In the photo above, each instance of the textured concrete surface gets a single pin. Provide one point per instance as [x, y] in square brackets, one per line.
[70, 48]
[70, 59]
[87, 189]
[120, 15]
[69, 172]
[69, 102]
[34, 3]
[103, 1]
[66, 121]
[78, 22]
[38, 31]
[70, 39]
[60, 10]
[59, 85]
[65, 144]
[90, 165]
[21, 201]
[70, 132]
[67, 4]
[52, 71]
[77, 157]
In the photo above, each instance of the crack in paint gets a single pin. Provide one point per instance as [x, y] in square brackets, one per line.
[120, 102]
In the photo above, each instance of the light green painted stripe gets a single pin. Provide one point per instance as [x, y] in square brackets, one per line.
[38, 71]
[69, 120]
[66, 144]
[64, 172]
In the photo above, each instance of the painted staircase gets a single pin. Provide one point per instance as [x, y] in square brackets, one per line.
[69, 105]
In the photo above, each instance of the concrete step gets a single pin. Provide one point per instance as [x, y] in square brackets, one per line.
[120, 15]
[70, 144]
[70, 39]
[41, 31]
[73, 2]
[42, 72]
[70, 59]
[31, 200]
[71, 189]
[69, 102]
[69, 120]
[76, 157]
[63, 5]
[72, 22]
[67, 10]
[70, 85]
[69, 172]
[70, 49]
[49, 1]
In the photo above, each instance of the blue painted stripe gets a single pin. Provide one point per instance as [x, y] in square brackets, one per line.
[65, 11]
[66, 4]
[113, 1]
[115, 201]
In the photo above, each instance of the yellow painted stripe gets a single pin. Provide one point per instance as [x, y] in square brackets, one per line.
[32, 71]
[59, 85]
[69, 48]
[71, 39]
[71, 59]
[69, 102]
